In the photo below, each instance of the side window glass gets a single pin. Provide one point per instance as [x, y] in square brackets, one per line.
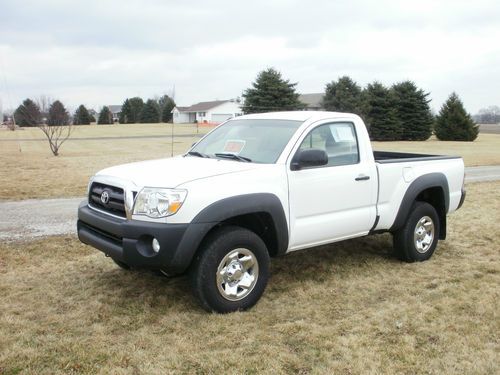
[338, 140]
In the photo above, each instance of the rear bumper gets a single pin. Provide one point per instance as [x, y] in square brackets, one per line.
[131, 241]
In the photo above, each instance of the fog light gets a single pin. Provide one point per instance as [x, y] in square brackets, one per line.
[156, 245]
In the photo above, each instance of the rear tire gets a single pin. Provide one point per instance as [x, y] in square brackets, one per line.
[231, 270]
[418, 238]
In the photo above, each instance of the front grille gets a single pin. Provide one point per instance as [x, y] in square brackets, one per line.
[115, 203]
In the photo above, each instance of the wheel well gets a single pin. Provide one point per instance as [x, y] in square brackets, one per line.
[435, 197]
[261, 223]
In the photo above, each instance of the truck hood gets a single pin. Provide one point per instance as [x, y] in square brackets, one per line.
[172, 172]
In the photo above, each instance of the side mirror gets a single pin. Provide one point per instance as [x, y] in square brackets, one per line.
[309, 158]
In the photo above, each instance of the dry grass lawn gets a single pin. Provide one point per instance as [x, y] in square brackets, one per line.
[348, 308]
[28, 169]
[485, 150]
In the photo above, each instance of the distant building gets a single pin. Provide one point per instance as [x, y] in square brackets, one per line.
[313, 102]
[215, 112]
[115, 111]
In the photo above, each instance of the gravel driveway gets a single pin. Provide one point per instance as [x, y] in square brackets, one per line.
[28, 219]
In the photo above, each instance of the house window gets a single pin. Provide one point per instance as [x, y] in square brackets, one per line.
[201, 114]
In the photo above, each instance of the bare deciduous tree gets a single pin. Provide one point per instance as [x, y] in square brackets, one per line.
[56, 135]
[44, 103]
[56, 126]
[490, 115]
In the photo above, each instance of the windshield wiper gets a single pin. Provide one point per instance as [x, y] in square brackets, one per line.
[196, 153]
[233, 156]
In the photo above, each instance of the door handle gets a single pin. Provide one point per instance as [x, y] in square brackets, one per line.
[362, 178]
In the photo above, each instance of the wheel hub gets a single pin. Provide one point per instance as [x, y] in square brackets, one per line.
[424, 234]
[237, 274]
[234, 272]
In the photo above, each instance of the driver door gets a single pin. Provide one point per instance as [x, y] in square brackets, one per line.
[335, 201]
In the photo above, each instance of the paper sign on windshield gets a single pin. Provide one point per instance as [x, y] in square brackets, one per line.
[234, 146]
[342, 133]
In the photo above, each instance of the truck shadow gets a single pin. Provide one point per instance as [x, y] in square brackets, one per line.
[136, 289]
[357, 253]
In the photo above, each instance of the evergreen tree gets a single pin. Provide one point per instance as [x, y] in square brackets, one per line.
[126, 112]
[150, 112]
[413, 111]
[136, 105]
[343, 95]
[453, 123]
[82, 116]
[105, 116]
[58, 115]
[270, 92]
[167, 104]
[381, 116]
[131, 110]
[28, 114]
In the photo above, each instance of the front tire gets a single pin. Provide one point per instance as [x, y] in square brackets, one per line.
[231, 270]
[418, 238]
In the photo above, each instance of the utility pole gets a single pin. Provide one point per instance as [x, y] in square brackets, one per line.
[172, 141]
[172, 133]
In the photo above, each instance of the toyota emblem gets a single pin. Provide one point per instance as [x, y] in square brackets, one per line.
[105, 197]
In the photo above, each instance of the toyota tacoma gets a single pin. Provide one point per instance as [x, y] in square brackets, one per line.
[260, 186]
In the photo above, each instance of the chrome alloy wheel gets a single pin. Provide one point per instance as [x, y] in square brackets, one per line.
[237, 274]
[424, 234]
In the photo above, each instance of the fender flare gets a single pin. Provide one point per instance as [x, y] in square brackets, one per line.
[225, 209]
[431, 180]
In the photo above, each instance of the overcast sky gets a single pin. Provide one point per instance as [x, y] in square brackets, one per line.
[99, 52]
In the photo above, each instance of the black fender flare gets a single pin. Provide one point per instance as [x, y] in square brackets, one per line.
[431, 180]
[225, 209]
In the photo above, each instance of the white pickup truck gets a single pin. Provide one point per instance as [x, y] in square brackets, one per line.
[260, 186]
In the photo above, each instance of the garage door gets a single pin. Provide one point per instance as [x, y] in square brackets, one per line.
[220, 117]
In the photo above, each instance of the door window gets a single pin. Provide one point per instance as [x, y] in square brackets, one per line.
[338, 140]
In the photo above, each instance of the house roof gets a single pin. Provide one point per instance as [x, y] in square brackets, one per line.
[115, 108]
[202, 106]
[312, 100]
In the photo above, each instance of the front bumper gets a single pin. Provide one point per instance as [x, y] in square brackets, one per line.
[130, 241]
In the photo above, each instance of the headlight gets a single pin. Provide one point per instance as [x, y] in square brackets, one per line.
[156, 202]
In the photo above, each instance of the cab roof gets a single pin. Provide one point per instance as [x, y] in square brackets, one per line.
[296, 115]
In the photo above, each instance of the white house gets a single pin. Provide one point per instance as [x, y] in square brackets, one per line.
[207, 112]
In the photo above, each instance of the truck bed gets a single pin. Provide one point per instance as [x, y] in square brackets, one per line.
[385, 157]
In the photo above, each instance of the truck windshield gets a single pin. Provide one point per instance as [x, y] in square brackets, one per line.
[258, 141]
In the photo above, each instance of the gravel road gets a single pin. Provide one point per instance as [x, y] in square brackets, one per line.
[33, 218]
[29, 219]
